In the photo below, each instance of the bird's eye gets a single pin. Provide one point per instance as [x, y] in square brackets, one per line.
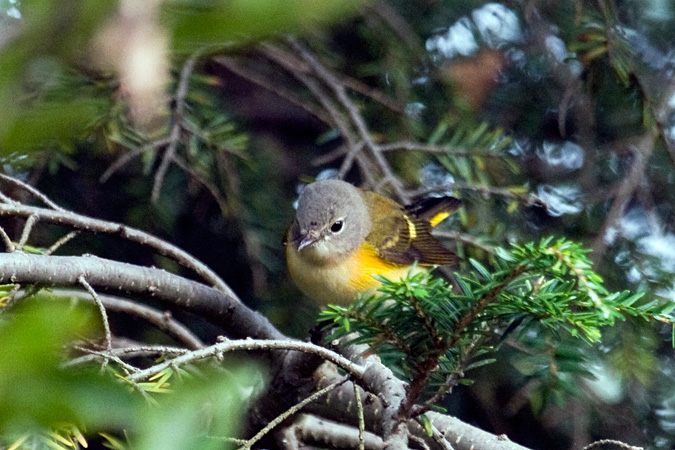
[337, 226]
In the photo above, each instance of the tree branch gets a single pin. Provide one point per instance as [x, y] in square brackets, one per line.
[213, 305]
[63, 217]
[161, 319]
[250, 345]
[174, 138]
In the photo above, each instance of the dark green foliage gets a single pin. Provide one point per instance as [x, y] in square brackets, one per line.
[544, 296]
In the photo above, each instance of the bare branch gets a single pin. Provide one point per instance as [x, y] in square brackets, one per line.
[288, 413]
[125, 353]
[437, 149]
[320, 432]
[211, 187]
[179, 100]
[618, 444]
[398, 24]
[355, 116]
[362, 421]
[161, 319]
[9, 245]
[126, 157]
[463, 436]
[352, 83]
[380, 379]
[104, 316]
[213, 305]
[109, 355]
[347, 162]
[27, 187]
[61, 242]
[486, 191]
[273, 53]
[27, 228]
[64, 217]
[281, 91]
[627, 186]
[253, 344]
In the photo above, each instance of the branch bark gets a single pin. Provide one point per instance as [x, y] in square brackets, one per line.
[214, 305]
[81, 222]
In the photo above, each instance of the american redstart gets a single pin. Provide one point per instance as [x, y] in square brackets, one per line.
[342, 236]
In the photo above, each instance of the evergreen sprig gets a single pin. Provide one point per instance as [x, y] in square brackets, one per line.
[423, 328]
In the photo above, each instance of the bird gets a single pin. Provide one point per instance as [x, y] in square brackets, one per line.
[343, 236]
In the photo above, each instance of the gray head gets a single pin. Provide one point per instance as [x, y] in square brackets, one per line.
[331, 220]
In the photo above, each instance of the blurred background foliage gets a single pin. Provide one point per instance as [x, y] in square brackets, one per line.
[555, 117]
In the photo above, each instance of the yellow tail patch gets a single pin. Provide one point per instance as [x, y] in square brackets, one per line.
[438, 218]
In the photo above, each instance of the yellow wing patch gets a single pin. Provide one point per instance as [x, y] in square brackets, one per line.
[438, 218]
[412, 230]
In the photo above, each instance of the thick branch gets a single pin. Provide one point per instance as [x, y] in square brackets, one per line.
[320, 432]
[102, 226]
[339, 406]
[463, 436]
[214, 305]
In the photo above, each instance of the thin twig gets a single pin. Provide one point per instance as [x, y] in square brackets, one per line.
[486, 191]
[160, 319]
[352, 83]
[287, 94]
[338, 120]
[9, 245]
[61, 242]
[255, 344]
[181, 94]
[6, 199]
[27, 228]
[211, 187]
[27, 187]
[388, 14]
[419, 441]
[440, 439]
[618, 444]
[272, 52]
[349, 159]
[437, 149]
[169, 153]
[108, 355]
[331, 156]
[126, 157]
[288, 413]
[362, 420]
[627, 186]
[451, 380]
[104, 316]
[125, 353]
[354, 114]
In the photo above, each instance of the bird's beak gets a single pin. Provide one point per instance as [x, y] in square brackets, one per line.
[308, 239]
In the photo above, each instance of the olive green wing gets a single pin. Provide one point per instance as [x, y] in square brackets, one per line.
[402, 237]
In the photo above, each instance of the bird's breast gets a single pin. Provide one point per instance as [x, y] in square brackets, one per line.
[341, 281]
